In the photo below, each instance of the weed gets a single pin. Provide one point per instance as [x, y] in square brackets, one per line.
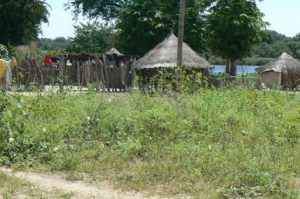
[228, 143]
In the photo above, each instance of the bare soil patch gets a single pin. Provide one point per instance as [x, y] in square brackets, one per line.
[80, 189]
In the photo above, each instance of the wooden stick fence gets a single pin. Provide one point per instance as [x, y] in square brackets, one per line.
[80, 70]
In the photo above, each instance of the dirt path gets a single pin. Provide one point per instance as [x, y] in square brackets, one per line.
[80, 190]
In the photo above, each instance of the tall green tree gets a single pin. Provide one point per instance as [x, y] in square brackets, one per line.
[106, 9]
[273, 36]
[297, 37]
[20, 20]
[142, 24]
[91, 38]
[275, 44]
[234, 26]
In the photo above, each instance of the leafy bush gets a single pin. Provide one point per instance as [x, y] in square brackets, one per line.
[230, 143]
[181, 80]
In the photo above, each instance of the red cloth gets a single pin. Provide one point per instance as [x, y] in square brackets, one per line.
[48, 60]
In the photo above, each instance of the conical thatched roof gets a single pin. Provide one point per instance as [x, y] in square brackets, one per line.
[283, 64]
[165, 55]
[114, 51]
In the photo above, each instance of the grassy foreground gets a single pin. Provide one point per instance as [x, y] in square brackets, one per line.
[220, 144]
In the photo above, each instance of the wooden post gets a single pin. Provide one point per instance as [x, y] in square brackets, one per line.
[42, 79]
[78, 74]
[17, 75]
[52, 75]
[180, 41]
[180, 32]
[99, 71]
[82, 76]
[107, 75]
[61, 73]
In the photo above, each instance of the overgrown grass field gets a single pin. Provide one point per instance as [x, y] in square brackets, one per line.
[230, 143]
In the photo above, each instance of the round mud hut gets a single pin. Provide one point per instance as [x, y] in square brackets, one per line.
[163, 57]
[283, 72]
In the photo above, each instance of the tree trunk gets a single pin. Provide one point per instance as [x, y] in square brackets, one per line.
[233, 71]
[231, 68]
[228, 66]
[180, 32]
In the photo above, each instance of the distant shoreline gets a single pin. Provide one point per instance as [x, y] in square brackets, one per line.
[249, 61]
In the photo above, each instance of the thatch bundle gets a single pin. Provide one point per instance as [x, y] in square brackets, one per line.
[165, 55]
[282, 72]
[114, 51]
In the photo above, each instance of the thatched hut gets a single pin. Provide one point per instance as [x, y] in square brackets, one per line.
[163, 57]
[118, 70]
[115, 58]
[114, 51]
[283, 72]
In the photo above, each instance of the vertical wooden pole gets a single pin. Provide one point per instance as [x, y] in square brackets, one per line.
[61, 73]
[180, 32]
[106, 72]
[78, 74]
[180, 41]
[42, 78]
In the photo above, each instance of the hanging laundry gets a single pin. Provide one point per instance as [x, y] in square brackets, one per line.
[48, 60]
[69, 63]
[55, 59]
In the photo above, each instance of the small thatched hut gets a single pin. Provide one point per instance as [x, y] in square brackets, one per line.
[118, 71]
[114, 51]
[164, 55]
[115, 58]
[283, 72]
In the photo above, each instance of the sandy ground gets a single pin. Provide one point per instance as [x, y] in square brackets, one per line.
[80, 189]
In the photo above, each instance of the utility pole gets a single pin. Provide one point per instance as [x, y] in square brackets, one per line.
[180, 32]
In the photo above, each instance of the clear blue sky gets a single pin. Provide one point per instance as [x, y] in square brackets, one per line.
[283, 15]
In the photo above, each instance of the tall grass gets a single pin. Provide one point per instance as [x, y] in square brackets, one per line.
[219, 144]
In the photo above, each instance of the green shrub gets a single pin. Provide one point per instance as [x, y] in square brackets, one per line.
[229, 143]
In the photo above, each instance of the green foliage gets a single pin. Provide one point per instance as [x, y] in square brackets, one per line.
[181, 80]
[248, 61]
[3, 51]
[273, 45]
[234, 26]
[273, 36]
[231, 32]
[58, 43]
[20, 20]
[143, 24]
[276, 44]
[91, 38]
[254, 61]
[107, 9]
[230, 143]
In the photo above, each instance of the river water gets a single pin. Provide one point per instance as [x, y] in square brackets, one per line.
[240, 69]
